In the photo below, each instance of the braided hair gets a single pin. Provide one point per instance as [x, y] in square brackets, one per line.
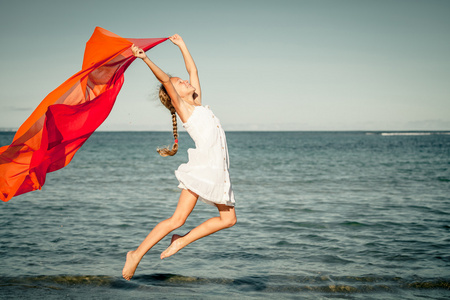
[167, 102]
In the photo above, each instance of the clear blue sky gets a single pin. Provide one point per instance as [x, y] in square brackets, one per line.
[263, 65]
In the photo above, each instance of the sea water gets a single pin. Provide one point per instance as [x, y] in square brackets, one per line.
[321, 215]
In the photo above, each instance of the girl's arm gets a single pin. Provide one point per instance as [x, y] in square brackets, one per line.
[161, 76]
[191, 68]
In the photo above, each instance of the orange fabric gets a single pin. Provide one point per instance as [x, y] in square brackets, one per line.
[65, 119]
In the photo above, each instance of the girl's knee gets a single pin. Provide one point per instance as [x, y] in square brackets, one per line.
[227, 215]
[177, 222]
[229, 222]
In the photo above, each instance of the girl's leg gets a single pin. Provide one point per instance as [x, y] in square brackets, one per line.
[186, 204]
[226, 219]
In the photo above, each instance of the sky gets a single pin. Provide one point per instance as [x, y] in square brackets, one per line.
[324, 65]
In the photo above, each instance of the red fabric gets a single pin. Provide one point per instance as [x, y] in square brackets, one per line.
[66, 118]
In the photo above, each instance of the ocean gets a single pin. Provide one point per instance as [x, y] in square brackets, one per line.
[321, 215]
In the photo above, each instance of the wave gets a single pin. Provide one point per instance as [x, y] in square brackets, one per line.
[409, 133]
[269, 283]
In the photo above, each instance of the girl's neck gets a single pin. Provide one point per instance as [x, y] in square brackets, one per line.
[190, 101]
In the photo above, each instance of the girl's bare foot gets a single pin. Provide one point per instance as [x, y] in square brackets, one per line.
[175, 237]
[130, 265]
[175, 245]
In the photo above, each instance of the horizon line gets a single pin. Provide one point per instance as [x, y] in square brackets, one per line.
[447, 131]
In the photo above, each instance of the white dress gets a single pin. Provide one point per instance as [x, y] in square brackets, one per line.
[207, 171]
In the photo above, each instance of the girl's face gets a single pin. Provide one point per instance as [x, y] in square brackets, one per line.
[183, 87]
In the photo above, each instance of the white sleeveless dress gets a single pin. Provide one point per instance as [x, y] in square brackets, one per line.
[207, 171]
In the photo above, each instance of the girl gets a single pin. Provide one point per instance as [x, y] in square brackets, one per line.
[204, 177]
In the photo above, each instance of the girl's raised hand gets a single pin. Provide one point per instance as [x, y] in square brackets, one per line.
[176, 39]
[138, 52]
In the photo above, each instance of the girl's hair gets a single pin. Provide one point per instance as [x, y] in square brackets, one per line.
[167, 102]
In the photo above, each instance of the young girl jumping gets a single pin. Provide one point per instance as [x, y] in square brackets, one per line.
[205, 176]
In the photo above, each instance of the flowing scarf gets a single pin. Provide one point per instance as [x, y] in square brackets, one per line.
[66, 118]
